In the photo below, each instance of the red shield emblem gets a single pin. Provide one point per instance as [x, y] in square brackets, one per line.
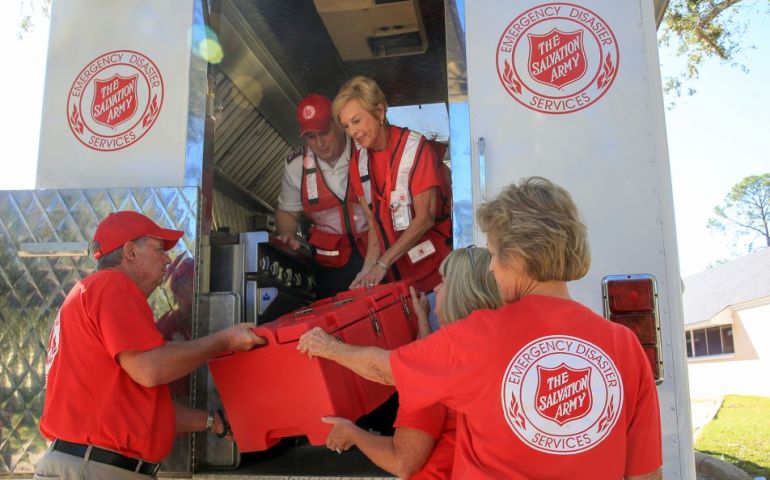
[557, 58]
[114, 100]
[563, 393]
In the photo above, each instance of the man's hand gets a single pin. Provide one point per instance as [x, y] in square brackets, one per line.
[240, 337]
[290, 241]
[316, 343]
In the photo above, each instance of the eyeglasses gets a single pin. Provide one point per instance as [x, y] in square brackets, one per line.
[469, 249]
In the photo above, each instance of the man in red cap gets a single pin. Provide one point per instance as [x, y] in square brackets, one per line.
[315, 185]
[107, 408]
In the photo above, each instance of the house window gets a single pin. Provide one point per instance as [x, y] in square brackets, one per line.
[704, 342]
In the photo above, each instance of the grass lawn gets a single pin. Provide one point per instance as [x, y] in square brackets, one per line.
[740, 434]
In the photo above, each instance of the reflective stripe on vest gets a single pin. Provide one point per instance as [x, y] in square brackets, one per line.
[404, 167]
[363, 172]
[311, 182]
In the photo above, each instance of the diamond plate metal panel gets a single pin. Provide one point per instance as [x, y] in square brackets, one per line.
[33, 289]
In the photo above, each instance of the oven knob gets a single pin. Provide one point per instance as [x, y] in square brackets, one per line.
[288, 276]
[310, 283]
[264, 264]
[298, 280]
[275, 269]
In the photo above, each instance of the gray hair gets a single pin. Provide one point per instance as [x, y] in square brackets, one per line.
[468, 283]
[115, 257]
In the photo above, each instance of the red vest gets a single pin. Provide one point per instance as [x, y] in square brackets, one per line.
[337, 223]
[421, 262]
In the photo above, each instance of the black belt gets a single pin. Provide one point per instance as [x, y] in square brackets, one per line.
[106, 456]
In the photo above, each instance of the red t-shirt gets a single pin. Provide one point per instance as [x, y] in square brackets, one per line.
[543, 388]
[440, 423]
[89, 398]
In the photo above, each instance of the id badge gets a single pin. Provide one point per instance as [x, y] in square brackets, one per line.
[421, 250]
[400, 212]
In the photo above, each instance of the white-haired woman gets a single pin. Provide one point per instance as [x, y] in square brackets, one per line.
[545, 387]
[422, 447]
[399, 176]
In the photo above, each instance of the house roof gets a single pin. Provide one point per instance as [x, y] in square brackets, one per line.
[741, 280]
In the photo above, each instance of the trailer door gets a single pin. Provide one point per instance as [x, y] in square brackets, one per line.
[571, 92]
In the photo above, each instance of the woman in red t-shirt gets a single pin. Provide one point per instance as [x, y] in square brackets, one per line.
[543, 386]
[422, 447]
[399, 177]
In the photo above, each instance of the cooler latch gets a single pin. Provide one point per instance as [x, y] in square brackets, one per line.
[404, 304]
[375, 322]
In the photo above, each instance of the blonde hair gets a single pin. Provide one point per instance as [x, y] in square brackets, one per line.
[363, 89]
[538, 221]
[468, 283]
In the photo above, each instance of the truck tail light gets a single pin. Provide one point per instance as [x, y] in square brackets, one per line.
[632, 300]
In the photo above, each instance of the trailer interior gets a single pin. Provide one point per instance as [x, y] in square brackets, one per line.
[263, 57]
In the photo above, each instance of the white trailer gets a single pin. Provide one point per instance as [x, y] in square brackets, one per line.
[184, 109]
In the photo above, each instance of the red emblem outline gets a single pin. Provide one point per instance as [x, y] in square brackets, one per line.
[147, 118]
[518, 396]
[520, 91]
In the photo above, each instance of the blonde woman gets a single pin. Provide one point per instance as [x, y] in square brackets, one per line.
[399, 176]
[544, 387]
[422, 447]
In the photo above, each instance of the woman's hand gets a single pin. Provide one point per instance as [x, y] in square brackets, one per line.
[374, 276]
[360, 280]
[340, 437]
[421, 310]
[316, 343]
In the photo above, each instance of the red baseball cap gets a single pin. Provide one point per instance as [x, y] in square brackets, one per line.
[314, 113]
[121, 227]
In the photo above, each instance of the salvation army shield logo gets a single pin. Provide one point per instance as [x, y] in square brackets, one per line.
[557, 58]
[114, 100]
[563, 393]
[308, 112]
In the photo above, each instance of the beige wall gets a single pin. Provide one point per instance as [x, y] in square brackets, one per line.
[746, 372]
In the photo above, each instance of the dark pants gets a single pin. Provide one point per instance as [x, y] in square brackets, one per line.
[331, 281]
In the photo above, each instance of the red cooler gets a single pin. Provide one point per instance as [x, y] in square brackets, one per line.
[273, 391]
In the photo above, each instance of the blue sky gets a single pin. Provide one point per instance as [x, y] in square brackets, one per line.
[715, 138]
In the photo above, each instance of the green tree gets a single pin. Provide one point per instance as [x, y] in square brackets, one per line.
[705, 29]
[746, 211]
[28, 10]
